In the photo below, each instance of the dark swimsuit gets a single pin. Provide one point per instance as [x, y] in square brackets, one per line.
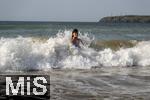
[76, 44]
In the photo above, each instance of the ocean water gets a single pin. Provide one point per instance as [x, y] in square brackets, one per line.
[113, 63]
[42, 46]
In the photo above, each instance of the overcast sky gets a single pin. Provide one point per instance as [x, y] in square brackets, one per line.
[69, 10]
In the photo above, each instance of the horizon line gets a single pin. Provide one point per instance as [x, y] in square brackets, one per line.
[48, 21]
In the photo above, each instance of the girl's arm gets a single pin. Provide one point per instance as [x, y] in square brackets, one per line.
[81, 41]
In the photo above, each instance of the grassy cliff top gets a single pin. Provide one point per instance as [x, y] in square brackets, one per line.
[126, 19]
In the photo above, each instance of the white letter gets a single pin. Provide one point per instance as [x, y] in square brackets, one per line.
[39, 85]
[28, 86]
[15, 91]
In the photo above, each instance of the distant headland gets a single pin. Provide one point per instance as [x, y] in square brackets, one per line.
[126, 19]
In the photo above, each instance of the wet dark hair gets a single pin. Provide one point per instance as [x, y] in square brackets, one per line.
[75, 31]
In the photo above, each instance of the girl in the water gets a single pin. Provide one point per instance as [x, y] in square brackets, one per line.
[74, 39]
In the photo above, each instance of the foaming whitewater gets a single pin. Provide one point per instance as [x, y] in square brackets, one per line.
[22, 54]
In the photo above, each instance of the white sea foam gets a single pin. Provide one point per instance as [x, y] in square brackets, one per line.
[25, 54]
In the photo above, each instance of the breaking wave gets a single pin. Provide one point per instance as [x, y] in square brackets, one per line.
[27, 53]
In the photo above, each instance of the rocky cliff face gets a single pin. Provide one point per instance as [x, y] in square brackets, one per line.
[126, 19]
